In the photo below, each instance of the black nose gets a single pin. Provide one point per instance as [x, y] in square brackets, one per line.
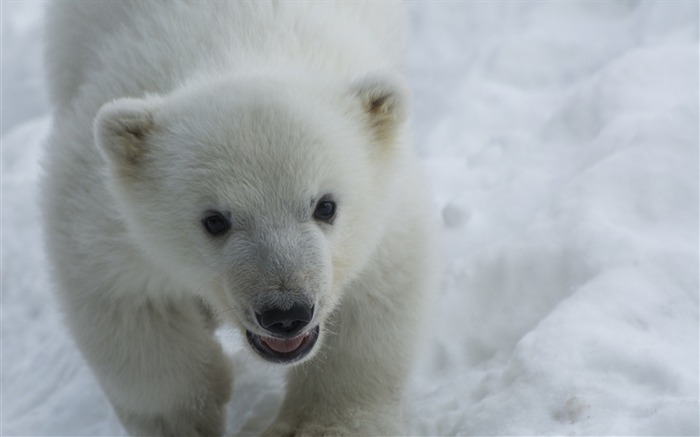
[287, 323]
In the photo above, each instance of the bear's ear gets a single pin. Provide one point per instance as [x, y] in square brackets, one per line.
[121, 130]
[384, 99]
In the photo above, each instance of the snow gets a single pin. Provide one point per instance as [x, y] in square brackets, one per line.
[561, 141]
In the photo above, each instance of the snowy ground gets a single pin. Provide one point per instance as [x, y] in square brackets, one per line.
[561, 138]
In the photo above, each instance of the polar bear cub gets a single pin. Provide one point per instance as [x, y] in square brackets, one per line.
[242, 163]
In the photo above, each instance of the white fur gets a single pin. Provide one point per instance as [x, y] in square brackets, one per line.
[165, 110]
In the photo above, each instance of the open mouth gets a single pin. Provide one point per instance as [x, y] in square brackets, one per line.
[284, 350]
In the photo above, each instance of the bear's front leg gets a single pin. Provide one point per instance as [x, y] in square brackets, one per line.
[354, 385]
[161, 368]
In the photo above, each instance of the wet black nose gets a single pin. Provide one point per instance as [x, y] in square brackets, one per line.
[286, 323]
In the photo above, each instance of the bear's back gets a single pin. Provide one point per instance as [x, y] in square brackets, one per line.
[132, 48]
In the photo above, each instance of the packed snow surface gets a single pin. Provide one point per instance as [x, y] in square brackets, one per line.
[561, 141]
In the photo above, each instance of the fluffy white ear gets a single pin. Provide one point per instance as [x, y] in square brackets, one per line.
[384, 99]
[121, 130]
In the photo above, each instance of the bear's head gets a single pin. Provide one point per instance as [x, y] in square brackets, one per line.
[266, 198]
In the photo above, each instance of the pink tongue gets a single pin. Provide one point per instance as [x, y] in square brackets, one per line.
[283, 346]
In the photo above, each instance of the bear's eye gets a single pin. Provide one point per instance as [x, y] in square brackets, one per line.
[325, 210]
[216, 223]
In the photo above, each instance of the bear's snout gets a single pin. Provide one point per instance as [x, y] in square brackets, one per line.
[288, 337]
[285, 323]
